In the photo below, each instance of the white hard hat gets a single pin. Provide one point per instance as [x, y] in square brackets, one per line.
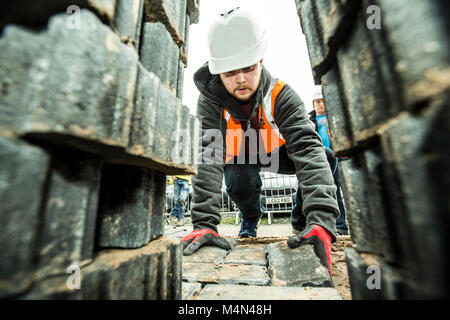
[317, 93]
[236, 40]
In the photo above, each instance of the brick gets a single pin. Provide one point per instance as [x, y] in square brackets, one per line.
[156, 39]
[171, 13]
[132, 274]
[131, 209]
[337, 113]
[361, 276]
[69, 212]
[207, 254]
[193, 10]
[190, 289]
[240, 292]
[355, 190]
[309, 25]
[54, 288]
[157, 118]
[24, 168]
[385, 231]
[180, 80]
[225, 273]
[366, 101]
[174, 272]
[326, 24]
[72, 87]
[248, 254]
[417, 34]
[128, 20]
[298, 267]
[417, 168]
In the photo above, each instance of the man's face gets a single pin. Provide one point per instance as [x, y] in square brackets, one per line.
[242, 83]
[319, 107]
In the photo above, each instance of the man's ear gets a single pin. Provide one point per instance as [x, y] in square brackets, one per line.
[260, 62]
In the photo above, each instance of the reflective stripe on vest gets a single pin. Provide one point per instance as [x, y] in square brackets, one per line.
[269, 132]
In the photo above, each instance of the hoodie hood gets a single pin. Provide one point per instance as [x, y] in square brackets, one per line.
[212, 88]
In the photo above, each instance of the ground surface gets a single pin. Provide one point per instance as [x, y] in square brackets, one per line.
[216, 274]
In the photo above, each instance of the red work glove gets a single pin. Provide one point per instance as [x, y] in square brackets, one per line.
[319, 238]
[199, 237]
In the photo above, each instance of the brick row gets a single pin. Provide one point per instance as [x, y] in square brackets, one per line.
[144, 273]
[68, 82]
[88, 103]
[161, 126]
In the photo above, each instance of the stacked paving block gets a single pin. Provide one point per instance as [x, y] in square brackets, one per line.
[386, 91]
[91, 122]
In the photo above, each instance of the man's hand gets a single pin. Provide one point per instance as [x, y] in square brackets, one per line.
[197, 238]
[317, 236]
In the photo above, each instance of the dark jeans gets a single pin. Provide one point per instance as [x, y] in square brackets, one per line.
[244, 183]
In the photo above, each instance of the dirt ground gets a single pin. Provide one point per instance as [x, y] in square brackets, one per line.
[339, 266]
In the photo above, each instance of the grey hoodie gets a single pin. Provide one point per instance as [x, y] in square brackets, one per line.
[303, 144]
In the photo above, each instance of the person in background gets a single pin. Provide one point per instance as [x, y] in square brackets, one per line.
[319, 117]
[181, 190]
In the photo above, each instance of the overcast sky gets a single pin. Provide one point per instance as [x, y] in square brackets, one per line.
[286, 55]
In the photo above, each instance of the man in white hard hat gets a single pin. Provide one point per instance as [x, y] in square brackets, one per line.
[240, 100]
[319, 117]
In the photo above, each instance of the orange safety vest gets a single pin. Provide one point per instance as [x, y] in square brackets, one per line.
[269, 132]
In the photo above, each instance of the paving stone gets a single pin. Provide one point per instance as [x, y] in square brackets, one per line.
[225, 273]
[174, 271]
[128, 20]
[24, 167]
[421, 53]
[415, 153]
[325, 24]
[240, 292]
[142, 273]
[71, 86]
[207, 254]
[367, 104]
[55, 288]
[67, 232]
[160, 127]
[248, 254]
[371, 278]
[193, 10]
[190, 289]
[337, 113]
[296, 267]
[309, 25]
[171, 13]
[363, 184]
[28, 14]
[131, 209]
[156, 39]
